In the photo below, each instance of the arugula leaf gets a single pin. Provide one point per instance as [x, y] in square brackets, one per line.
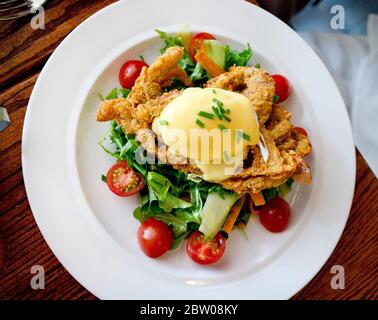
[285, 188]
[176, 242]
[159, 185]
[177, 224]
[170, 41]
[270, 193]
[197, 202]
[199, 74]
[116, 93]
[235, 58]
[171, 202]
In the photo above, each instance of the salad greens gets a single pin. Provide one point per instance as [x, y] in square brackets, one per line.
[196, 73]
[169, 196]
[179, 200]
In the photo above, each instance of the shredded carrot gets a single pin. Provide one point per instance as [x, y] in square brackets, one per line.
[242, 226]
[258, 198]
[207, 63]
[234, 212]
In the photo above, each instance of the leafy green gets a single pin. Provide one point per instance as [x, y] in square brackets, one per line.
[285, 188]
[270, 193]
[159, 185]
[170, 41]
[235, 58]
[197, 202]
[172, 202]
[281, 191]
[194, 70]
[117, 93]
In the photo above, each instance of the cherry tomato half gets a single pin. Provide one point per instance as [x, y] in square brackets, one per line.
[275, 215]
[196, 42]
[155, 238]
[124, 181]
[129, 72]
[204, 252]
[283, 87]
[300, 130]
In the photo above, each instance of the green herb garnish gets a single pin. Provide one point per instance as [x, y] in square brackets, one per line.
[257, 65]
[221, 126]
[206, 114]
[164, 122]
[240, 134]
[103, 178]
[200, 123]
[217, 113]
[226, 118]
[276, 97]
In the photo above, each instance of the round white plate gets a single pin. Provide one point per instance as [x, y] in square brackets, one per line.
[93, 233]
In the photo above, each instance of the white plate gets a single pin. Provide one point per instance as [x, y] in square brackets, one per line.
[93, 233]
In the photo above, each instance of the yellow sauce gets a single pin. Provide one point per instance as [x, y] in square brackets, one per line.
[218, 152]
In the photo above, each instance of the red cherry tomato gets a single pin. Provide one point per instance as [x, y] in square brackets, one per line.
[155, 238]
[204, 252]
[300, 130]
[196, 42]
[129, 72]
[275, 215]
[283, 87]
[124, 181]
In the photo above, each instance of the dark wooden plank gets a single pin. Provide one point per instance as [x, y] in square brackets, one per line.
[24, 51]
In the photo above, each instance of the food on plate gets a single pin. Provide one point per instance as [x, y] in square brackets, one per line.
[204, 138]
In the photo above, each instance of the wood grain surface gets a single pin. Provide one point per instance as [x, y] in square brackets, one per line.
[23, 52]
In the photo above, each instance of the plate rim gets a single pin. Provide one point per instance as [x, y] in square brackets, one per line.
[25, 140]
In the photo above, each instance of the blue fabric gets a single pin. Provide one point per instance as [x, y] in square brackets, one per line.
[317, 17]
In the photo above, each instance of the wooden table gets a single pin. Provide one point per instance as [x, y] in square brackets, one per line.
[23, 53]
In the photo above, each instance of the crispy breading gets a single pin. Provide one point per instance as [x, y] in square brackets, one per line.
[133, 119]
[159, 75]
[147, 100]
[254, 83]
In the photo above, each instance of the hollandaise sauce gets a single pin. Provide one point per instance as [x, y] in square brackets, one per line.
[210, 127]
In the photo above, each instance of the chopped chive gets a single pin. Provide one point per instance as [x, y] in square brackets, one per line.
[217, 113]
[276, 97]
[142, 58]
[206, 114]
[164, 122]
[101, 97]
[240, 134]
[214, 91]
[218, 103]
[103, 178]
[227, 111]
[226, 118]
[200, 123]
[246, 137]
[257, 65]
[222, 127]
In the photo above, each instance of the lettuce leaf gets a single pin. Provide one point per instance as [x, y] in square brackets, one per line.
[235, 58]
